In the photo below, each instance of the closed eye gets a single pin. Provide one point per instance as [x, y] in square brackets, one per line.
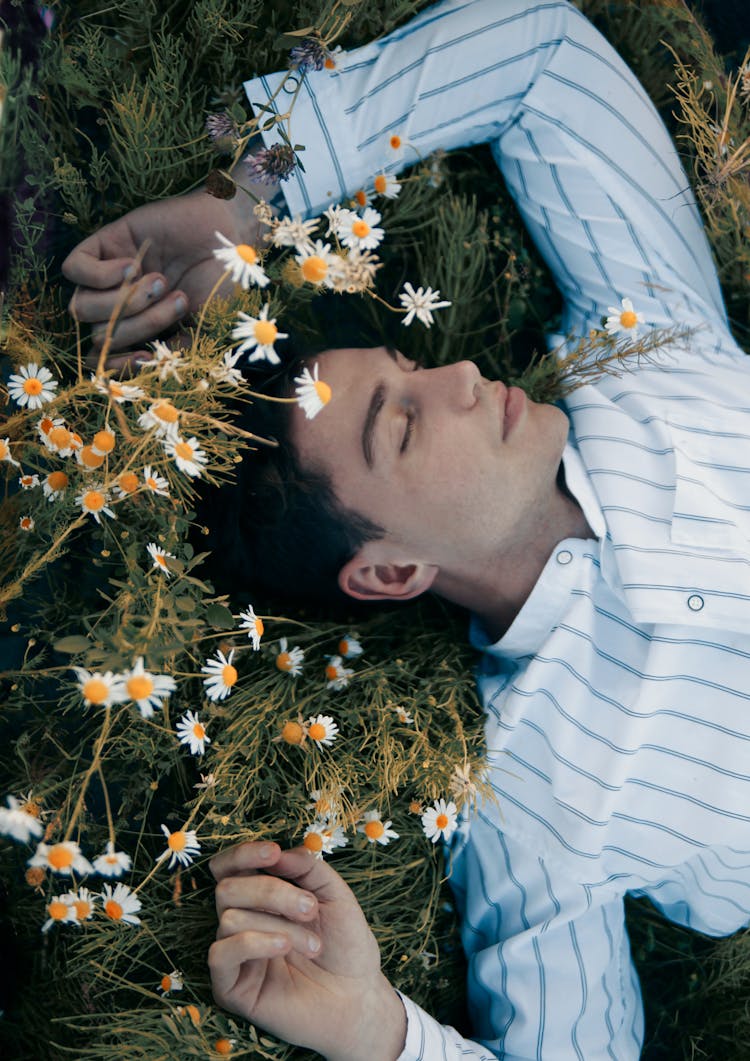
[410, 417]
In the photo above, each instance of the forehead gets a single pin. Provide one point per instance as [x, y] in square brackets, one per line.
[334, 435]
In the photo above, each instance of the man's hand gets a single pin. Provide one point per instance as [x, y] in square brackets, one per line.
[294, 954]
[175, 276]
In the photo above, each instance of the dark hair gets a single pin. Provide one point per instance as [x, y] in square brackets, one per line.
[280, 528]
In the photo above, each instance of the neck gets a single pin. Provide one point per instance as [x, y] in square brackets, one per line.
[503, 584]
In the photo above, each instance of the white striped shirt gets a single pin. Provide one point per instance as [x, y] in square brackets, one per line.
[617, 721]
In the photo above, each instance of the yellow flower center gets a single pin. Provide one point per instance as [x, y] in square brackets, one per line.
[104, 441]
[165, 411]
[374, 830]
[313, 842]
[628, 319]
[323, 391]
[83, 908]
[60, 857]
[57, 480]
[95, 691]
[292, 733]
[441, 821]
[247, 253]
[184, 450]
[31, 808]
[161, 560]
[139, 687]
[322, 806]
[26, 523]
[177, 840]
[343, 648]
[32, 386]
[34, 876]
[284, 661]
[111, 860]
[229, 674]
[59, 436]
[361, 197]
[329, 64]
[395, 142]
[314, 269]
[4, 449]
[259, 628]
[265, 332]
[93, 500]
[415, 807]
[360, 228]
[195, 1014]
[223, 1046]
[113, 909]
[317, 731]
[115, 389]
[90, 459]
[166, 983]
[46, 425]
[199, 731]
[332, 671]
[57, 910]
[152, 483]
[128, 482]
[380, 184]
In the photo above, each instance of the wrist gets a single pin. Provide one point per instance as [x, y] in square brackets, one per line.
[380, 1033]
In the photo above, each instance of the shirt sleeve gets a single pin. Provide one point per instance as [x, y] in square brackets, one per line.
[583, 151]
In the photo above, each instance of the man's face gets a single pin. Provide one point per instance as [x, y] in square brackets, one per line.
[457, 469]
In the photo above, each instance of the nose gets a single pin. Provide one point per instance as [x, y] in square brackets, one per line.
[458, 383]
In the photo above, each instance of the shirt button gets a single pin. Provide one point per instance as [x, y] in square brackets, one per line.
[695, 602]
[564, 556]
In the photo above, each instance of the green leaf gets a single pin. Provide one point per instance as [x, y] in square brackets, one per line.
[185, 604]
[72, 644]
[220, 617]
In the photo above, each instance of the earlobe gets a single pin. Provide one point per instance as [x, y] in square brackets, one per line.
[371, 582]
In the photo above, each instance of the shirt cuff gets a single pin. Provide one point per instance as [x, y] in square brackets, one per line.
[427, 1039]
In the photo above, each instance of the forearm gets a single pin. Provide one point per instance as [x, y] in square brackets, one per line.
[380, 1033]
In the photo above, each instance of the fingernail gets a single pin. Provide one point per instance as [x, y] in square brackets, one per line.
[313, 944]
[305, 904]
[266, 851]
[157, 289]
[129, 272]
[180, 306]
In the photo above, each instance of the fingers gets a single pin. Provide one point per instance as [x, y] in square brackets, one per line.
[156, 318]
[297, 865]
[87, 265]
[250, 856]
[91, 306]
[267, 893]
[301, 938]
[227, 958]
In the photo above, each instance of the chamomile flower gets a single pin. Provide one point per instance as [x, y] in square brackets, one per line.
[163, 417]
[318, 838]
[317, 265]
[89, 459]
[360, 230]
[112, 863]
[167, 362]
[182, 844]
[120, 904]
[187, 454]
[222, 676]
[439, 820]
[386, 185]
[349, 647]
[28, 482]
[623, 320]
[325, 804]
[156, 484]
[94, 501]
[59, 911]
[171, 982]
[117, 391]
[147, 690]
[17, 822]
[64, 857]
[403, 715]
[100, 690]
[254, 626]
[103, 442]
[241, 260]
[192, 731]
[461, 784]
[54, 485]
[420, 304]
[312, 393]
[290, 660]
[32, 386]
[207, 781]
[333, 217]
[5, 454]
[322, 730]
[84, 903]
[26, 523]
[258, 334]
[58, 438]
[225, 371]
[337, 674]
[375, 829]
[396, 142]
[159, 558]
[294, 232]
[361, 198]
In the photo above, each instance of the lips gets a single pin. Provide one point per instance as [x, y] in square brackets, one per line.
[515, 399]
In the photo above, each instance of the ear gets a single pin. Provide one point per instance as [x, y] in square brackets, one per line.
[368, 578]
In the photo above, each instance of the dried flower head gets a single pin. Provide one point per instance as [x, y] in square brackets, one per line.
[272, 164]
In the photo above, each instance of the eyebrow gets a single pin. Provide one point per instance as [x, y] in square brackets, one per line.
[377, 401]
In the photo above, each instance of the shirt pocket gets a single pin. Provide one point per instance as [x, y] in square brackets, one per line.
[712, 482]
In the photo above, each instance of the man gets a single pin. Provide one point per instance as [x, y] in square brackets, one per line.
[610, 597]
